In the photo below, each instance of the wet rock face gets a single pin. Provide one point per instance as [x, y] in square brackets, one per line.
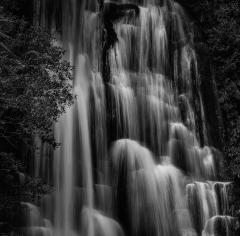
[210, 98]
[207, 78]
[208, 88]
[113, 12]
[188, 4]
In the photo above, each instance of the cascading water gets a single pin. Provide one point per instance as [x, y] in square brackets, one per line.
[130, 160]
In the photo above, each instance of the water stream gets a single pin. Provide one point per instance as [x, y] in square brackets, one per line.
[134, 158]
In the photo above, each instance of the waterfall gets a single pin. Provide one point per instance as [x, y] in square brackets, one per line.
[134, 156]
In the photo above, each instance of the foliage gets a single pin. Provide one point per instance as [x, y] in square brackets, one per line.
[35, 88]
[224, 43]
[220, 21]
[21, 8]
[35, 85]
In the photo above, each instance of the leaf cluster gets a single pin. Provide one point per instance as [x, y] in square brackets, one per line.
[224, 42]
[219, 20]
[35, 84]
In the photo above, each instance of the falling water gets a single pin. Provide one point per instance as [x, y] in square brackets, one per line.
[134, 157]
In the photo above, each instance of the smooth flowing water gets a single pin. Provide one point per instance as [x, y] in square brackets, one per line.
[134, 157]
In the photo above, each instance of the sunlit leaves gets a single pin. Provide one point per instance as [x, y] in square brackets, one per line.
[35, 84]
